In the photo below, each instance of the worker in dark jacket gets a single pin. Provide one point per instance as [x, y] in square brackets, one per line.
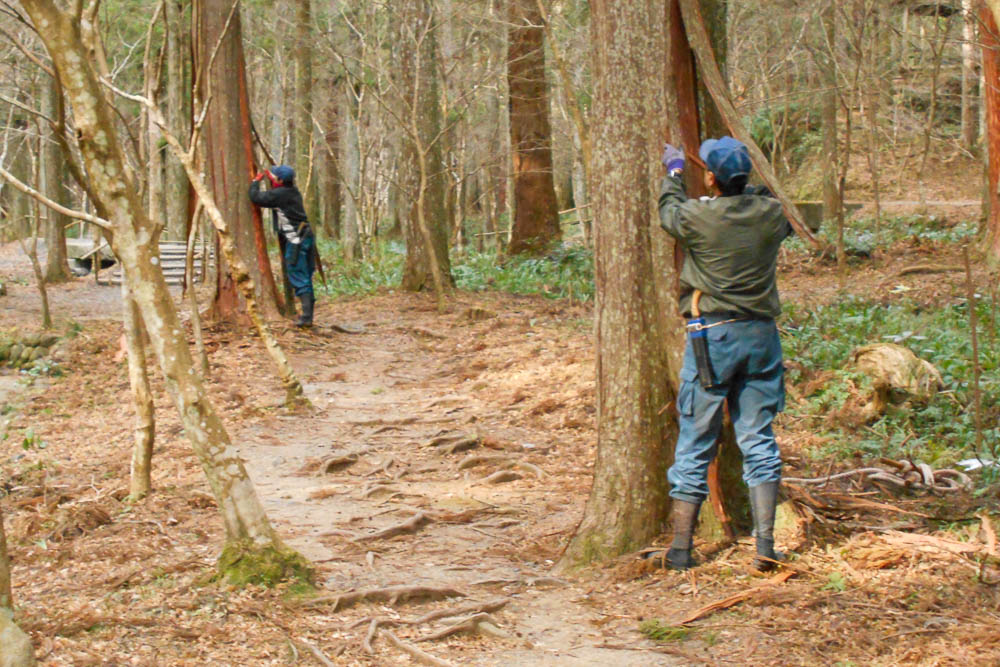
[290, 222]
[730, 243]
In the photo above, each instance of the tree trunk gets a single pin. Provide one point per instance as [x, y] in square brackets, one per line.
[536, 212]
[990, 39]
[970, 80]
[228, 156]
[716, 14]
[831, 194]
[15, 646]
[427, 262]
[628, 502]
[176, 189]
[144, 431]
[53, 178]
[350, 230]
[303, 108]
[327, 167]
[248, 531]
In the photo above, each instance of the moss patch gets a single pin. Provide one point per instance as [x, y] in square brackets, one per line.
[241, 563]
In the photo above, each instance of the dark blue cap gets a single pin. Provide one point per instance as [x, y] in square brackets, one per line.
[727, 158]
[283, 173]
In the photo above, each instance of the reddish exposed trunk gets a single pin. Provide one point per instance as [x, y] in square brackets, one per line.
[536, 211]
[990, 40]
[228, 156]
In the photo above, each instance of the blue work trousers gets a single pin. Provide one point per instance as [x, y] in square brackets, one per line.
[748, 374]
[300, 264]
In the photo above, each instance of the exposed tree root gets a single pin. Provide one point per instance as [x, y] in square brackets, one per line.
[500, 477]
[415, 653]
[481, 623]
[929, 268]
[390, 594]
[383, 467]
[451, 443]
[411, 525]
[314, 651]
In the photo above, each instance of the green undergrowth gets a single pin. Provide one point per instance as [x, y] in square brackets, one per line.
[818, 341]
[241, 564]
[660, 632]
[565, 272]
[863, 235]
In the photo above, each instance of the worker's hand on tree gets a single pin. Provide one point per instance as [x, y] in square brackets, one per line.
[259, 176]
[673, 158]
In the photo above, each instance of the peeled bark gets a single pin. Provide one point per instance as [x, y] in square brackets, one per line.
[628, 502]
[228, 157]
[990, 39]
[144, 430]
[536, 212]
[134, 242]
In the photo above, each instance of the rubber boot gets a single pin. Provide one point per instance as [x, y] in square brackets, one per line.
[763, 503]
[684, 516]
[306, 318]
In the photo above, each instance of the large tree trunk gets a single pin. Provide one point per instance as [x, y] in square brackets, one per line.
[990, 39]
[427, 262]
[133, 239]
[15, 647]
[228, 157]
[178, 112]
[53, 177]
[536, 211]
[628, 502]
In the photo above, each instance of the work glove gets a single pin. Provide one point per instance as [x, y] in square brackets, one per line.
[259, 176]
[270, 177]
[673, 158]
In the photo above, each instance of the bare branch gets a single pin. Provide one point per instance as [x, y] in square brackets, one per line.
[31, 192]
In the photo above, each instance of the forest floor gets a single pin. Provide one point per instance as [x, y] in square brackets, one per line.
[507, 382]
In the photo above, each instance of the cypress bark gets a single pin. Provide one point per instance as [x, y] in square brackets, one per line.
[536, 211]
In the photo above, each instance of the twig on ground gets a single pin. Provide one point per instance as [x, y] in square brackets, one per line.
[367, 643]
[726, 603]
[314, 651]
[415, 653]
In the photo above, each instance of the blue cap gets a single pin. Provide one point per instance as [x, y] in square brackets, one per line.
[283, 173]
[727, 158]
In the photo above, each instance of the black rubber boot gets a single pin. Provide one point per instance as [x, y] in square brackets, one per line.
[684, 517]
[306, 318]
[763, 503]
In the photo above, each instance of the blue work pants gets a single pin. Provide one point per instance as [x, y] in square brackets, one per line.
[300, 264]
[748, 374]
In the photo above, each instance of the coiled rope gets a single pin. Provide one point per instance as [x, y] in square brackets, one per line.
[907, 475]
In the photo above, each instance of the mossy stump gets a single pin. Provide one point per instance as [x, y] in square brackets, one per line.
[242, 563]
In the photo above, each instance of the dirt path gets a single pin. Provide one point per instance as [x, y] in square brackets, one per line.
[385, 395]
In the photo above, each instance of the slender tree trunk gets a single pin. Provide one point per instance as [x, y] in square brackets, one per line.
[427, 262]
[134, 241]
[350, 230]
[144, 430]
[831, 198]
[628, 502]
[990, 39]
[228, 156]
[54, 177]
[970, 80]
[305, 157]
[15, 646]
[178, 112]
[536, 211]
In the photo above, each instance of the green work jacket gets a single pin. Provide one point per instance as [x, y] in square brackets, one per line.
[730, 249]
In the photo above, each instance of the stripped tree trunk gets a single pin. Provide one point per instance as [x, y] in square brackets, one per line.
[990, 39]
[628, 502]
[536, 212]
[144, 431]
[228, 156]
[133, 237]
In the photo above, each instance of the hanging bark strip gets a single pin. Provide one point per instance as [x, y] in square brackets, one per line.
[990, 40]
[712, 77]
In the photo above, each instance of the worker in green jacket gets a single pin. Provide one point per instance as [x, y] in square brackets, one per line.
[729, 293]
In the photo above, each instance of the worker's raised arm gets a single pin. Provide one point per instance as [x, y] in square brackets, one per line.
[672, 199]
[265, 198]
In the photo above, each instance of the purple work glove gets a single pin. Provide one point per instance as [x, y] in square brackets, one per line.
[673, 158]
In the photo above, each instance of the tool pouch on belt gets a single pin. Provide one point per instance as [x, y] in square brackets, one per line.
[698, 335]
[302, 231]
